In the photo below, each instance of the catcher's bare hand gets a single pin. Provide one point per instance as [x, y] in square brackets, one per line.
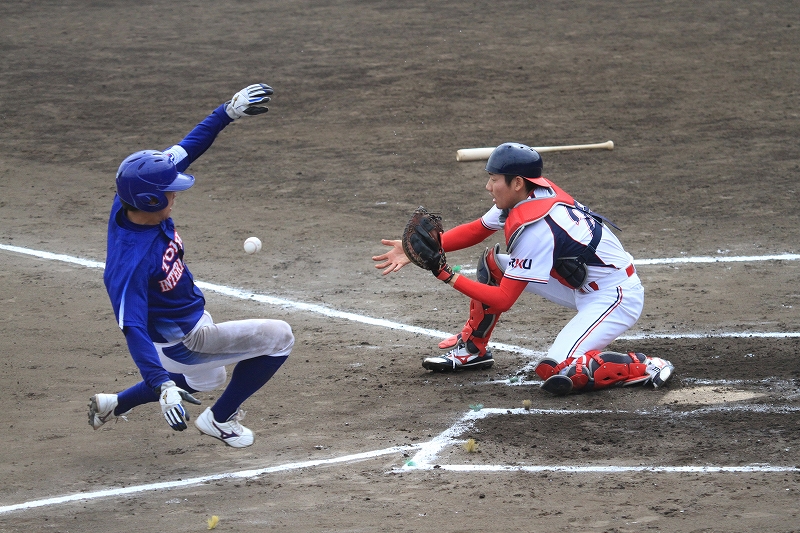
[394, 259]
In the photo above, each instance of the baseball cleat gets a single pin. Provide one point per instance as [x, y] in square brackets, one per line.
[558, 384]
[231, 432]
[101, 409]
[458, 358]
[660, 370]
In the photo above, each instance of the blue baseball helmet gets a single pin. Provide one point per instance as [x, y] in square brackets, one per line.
[144, 177]
[516, 160]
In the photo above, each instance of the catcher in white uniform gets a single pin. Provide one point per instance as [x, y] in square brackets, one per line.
[557, 248]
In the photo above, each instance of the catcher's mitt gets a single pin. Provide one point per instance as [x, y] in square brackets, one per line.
[422, 241]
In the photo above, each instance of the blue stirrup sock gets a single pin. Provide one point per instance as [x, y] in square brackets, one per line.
[140, 394]
[248, 377]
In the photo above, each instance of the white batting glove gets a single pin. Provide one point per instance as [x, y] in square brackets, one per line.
[249, 101]
[170, 400]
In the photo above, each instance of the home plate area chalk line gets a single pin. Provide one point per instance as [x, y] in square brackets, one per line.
[427, 452]
[425, 459]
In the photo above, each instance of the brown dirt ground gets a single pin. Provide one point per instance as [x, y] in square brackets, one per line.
[372, 101]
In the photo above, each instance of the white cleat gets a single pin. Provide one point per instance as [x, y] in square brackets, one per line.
[101, 409]
[458, 358]
[231, 432]
[660, 370]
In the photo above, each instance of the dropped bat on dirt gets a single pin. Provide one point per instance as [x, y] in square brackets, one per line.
[479, 154]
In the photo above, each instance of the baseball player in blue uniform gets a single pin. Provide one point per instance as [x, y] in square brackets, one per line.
[559, 249]
[173, 340]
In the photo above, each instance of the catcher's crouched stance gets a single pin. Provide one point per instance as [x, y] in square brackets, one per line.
[558, 249]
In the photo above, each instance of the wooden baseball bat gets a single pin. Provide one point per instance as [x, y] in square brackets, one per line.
[479, 154]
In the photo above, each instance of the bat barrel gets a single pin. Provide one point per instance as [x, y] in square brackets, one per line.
[480, 154]
[473, 154]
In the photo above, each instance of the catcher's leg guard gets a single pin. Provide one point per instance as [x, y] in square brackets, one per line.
[479, 326]
[476, 331]
[614, 368]
[489, 271]
[597, 370]
[546, 367]
[561, 378]
[449, 342]
[564, 377]
[558, 385]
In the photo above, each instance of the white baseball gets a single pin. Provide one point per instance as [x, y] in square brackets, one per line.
[252, 245]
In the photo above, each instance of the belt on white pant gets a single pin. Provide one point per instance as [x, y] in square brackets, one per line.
[611, 280]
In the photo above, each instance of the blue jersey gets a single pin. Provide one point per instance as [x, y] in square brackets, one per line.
[148, 282]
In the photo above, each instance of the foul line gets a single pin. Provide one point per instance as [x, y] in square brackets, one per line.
[200, 480]
[613, 469]
[700, 259]
[711, 259]
[354, 317]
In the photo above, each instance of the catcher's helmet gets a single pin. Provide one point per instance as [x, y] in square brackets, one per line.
[516, 159]
[144, 177]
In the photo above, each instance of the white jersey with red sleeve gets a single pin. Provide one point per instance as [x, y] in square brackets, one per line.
[564, 232]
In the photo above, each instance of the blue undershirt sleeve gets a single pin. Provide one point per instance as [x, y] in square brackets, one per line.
[202, 136]
[145, 356]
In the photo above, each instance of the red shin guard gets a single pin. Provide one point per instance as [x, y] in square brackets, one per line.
[597, 370]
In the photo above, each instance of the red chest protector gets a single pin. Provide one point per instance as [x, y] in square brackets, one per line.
[532, 210]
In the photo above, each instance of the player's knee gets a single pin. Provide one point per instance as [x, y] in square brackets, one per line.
[218, 379]
[208, 380]
[489, 271]
[285, 336]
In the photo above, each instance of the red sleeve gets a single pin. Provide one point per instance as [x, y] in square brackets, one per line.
[465, 235]
[500, 298]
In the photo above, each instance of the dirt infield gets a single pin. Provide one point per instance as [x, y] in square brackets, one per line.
[372, 101]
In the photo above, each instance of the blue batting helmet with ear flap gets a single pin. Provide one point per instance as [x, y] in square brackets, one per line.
[144, 177]
[516, 160]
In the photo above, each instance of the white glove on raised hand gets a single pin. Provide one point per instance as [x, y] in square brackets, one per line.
[170, 399]
[249, 101]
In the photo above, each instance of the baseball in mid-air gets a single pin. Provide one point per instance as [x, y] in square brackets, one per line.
[252, 245]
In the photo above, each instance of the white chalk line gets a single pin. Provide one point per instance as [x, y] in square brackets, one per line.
[519, 380]
[428, 450]
[354, 317]
[425, 458]
[715, 259]
[699, 259]
[613, 469]
[422, 460]
[122, 491]
[774, 381]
